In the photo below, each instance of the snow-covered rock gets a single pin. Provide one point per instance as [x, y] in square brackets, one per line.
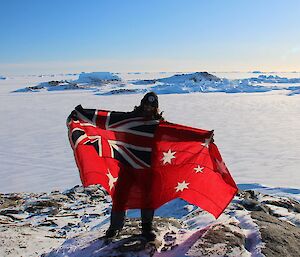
[194, 77]
[294, 90]
[73, 223]
[271, 79]
[53, 85]
[180, 79]
[94, 81]
[202, 82]
[199, 82]
[96, 77]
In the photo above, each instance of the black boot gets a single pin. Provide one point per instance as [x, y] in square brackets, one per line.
[147, 231]
[110, 233]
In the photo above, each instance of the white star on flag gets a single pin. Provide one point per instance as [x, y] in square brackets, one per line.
[111, 179]
[206, 143]
[168, 156]
[199, 169]
[181, 186]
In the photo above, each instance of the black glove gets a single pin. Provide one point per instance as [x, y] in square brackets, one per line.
[72, 116]
[79, 108]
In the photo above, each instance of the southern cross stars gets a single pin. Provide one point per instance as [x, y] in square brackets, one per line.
[111, 179]
[168, 156]
[199, 169]
[181, 186]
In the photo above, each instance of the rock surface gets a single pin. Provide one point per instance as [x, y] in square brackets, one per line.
[73, 222]
[280, 237]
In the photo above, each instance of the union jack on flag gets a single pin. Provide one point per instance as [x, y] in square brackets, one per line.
[118, 135]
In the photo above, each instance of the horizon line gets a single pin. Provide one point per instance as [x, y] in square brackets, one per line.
[137, 72]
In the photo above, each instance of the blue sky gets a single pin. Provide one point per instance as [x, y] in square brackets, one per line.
[157, 35]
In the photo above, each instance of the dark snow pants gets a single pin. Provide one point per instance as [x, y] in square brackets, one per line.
[117, 218]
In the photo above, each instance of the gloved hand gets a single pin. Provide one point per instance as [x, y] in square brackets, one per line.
[79, 108]
[73, 115]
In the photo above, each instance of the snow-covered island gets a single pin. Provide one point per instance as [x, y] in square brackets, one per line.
[107, 83]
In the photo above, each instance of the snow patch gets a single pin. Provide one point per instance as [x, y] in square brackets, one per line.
[251, 231]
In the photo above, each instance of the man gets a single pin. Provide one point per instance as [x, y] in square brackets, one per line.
[144, 162]
[148, 109]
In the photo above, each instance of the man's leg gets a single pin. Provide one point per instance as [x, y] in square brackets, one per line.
[147, 219]
[117, 219]
[147, 216]
[116, 223]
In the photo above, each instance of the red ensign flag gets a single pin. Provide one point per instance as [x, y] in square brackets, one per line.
[146, 163]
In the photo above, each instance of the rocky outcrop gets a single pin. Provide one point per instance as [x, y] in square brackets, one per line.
[194, 77]
[74, 221]
[281, 238]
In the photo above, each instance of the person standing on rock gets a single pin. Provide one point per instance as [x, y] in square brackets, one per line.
[148, 109]
[144, 162]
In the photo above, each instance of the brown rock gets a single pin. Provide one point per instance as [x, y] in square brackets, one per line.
[280, 237]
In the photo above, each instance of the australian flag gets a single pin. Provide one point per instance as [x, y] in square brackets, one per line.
[145, 163]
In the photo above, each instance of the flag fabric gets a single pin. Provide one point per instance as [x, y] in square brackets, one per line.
[144, 164]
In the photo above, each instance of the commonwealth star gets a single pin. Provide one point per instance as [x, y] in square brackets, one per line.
[111, 180]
